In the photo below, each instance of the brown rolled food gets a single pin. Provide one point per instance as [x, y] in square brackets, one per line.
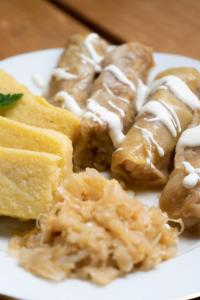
[113, 104]
[72, 79]
[181, 196]
[146, 154]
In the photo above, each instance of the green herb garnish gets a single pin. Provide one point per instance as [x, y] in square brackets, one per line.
[7, 99]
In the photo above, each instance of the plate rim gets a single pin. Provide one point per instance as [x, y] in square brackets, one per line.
[20, 56]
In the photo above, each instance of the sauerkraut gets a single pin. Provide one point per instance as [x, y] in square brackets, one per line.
[97, 232]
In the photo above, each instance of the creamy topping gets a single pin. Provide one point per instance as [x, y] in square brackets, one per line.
[89, 44]
[150, 139]
[112, 119]
[179, 88]
[175, 118]
[62, 74]
[193, 177]
[162, 114]
[69, 102]
[119, 110]
[108, 90]
[91, 116]
[120, 76]
[141, 94]
[190, 137]
[38, 80]
[87, 59]
[149, 150]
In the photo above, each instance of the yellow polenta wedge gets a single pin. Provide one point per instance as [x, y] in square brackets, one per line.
[36, 111]
[21, 136]
[28, 182]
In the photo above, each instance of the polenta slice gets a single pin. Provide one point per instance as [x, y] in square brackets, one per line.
[17, 135]
[28, 182]
[36, 111]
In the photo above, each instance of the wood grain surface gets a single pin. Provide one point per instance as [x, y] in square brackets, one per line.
[167, 25]
[27, 25]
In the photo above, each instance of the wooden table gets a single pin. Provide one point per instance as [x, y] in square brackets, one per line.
[167, 25]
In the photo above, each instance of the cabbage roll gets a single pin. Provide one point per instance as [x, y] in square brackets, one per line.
[111, 109]
[146, 155]
[72, 79]
[180, 197]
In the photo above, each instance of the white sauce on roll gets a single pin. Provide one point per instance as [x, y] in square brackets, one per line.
[179, 88]
[87, 59]
[150, 139]
[91, 116]
[190, 138]
[175, 118]
[89, 44]
[108, 90]
[120, 76]
[112, 119]
[69, 102]
[119, 110]
[163, 114]
[141, 95]
[62, 74]
[193, 177]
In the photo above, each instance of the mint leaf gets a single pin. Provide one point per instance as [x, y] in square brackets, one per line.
[7, 99]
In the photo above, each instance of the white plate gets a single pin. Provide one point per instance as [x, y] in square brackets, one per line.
[174, 279]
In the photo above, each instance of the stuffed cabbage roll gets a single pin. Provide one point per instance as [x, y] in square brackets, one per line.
[145, 157]
[181, 197]
[72, 79]
[113, 104]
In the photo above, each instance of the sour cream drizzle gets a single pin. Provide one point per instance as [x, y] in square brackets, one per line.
[175, 118]
[179, 88]
[91, 116]
[193, 177]
[108, 90]
[119, 110]
[141, 94]
[87, 59]
[89, 44]
[112, 119]
[69, 102]
[150, 139]
[62, 74]
[162, 114]
[190, 138]
[120, 76]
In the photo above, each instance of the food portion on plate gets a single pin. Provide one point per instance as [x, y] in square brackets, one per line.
[28, 182]
[181, 196]
[36, 111]
[97, 232]
[145, 155]
[112, 105]
[72, 80]
[100, 113]
[17, 135]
